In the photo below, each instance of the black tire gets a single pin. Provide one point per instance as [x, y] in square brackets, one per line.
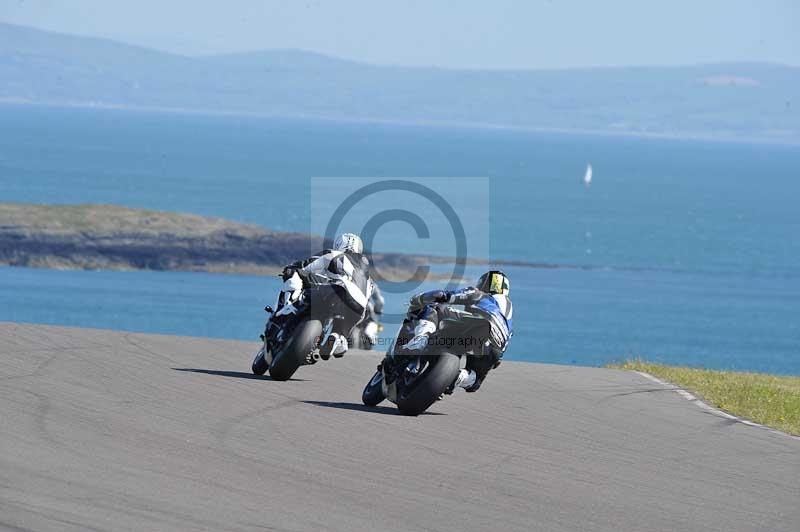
[293, 355]
[260, 365]
[441, 374]
[373, 394]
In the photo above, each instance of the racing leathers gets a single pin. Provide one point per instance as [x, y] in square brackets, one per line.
[429, 310]
[351, 268]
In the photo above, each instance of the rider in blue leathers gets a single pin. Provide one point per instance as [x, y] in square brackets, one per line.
[487, 301]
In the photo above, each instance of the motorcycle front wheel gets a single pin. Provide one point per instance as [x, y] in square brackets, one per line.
[373, 393]
[260, 365]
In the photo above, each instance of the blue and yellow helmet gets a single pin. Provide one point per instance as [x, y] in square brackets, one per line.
[494, 282]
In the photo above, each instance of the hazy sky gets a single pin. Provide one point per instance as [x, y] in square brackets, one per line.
[455, 33]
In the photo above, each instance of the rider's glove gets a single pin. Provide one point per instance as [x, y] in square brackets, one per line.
[415, 303]
[439, 296]
[287, 273]
[420, 300]
[292, 287]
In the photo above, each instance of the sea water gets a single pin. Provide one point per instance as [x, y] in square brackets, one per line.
[680, 251]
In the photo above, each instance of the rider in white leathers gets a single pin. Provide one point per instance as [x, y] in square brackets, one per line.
[345, 262]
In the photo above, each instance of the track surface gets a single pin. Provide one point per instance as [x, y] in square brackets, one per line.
[112, 431]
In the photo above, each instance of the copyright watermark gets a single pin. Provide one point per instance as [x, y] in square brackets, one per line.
[418, 233]
[464, 343]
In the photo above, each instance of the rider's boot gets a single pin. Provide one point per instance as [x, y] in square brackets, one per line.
[341, 346]
[422, 331]
[466, 379]
[335, 345]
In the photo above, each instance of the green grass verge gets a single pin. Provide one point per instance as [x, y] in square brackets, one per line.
[771, 400]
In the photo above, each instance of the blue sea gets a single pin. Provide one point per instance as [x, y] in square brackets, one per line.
[681, 251]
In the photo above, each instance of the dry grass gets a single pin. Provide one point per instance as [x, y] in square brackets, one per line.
[771, 400]
[114, 219]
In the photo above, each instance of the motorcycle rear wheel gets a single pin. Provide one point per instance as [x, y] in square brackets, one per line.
[432, 383]
[293, 354]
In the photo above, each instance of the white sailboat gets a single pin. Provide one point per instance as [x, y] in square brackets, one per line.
[587, 177]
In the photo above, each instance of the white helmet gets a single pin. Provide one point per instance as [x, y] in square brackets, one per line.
[348, 242]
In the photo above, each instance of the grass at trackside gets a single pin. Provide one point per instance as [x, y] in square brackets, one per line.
[771, 400]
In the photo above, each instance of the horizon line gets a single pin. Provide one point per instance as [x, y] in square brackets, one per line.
[334, 57]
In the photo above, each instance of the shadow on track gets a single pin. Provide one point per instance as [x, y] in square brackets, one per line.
[234, 374]
[363, 408]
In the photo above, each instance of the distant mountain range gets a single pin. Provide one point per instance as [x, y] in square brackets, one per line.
[731, 100]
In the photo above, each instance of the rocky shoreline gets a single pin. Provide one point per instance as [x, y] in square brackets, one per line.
[121, 238]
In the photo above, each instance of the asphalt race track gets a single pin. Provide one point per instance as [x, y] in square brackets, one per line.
[103, 430]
